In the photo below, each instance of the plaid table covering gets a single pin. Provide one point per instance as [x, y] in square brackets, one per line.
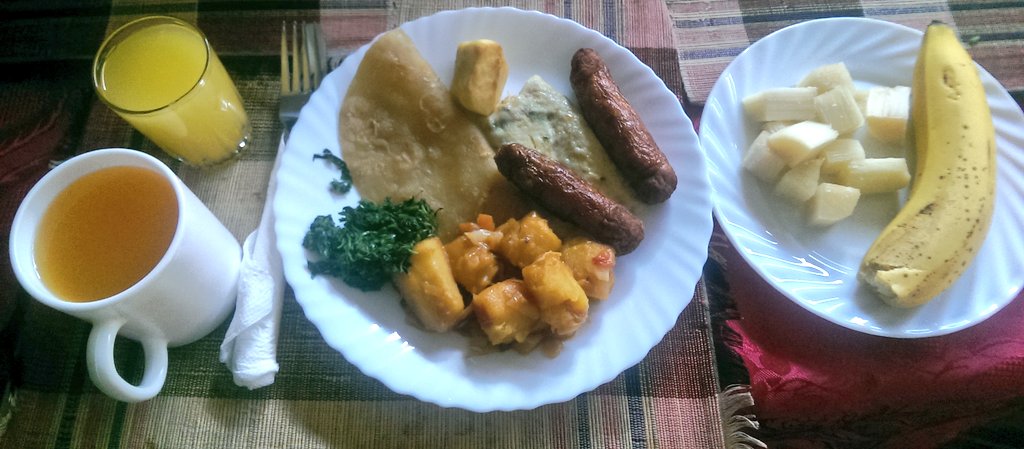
[711, 33]
[48, 112]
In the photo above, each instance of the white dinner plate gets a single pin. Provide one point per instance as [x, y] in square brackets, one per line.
[817, 268]
[653, 284]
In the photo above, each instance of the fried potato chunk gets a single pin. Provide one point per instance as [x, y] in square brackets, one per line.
[523, 241]
[429, 287]
[563, 303]
[506, 313]
[592, 265]
[480, 75]
[473, 263]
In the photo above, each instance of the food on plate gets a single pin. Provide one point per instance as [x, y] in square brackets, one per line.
[344, 182]
[839, 154]
[798, 184]
[943, 223]
[794, 104]
[827, 77]
[429, 288]
[403, 136]
[423, 166]
[592, 264]
[831, 203]
[570, 197]
[811, 145]
[619, 128]
[838, 107]
[544, 119]
[474, 264]
[468, 283]
[371, 243]
[522, 241]
[548, 299]
[431, 149]
[887, 110]
[761, 161]
[512, 278]
[801, 141]
[480, 75]
[562, 302]
[875, 175]
[506, 313]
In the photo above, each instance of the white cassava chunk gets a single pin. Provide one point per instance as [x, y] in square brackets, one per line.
[828, 77]
[839, 153]
[801, 141]
[799, 183]
[761, 161]
[886, 111]
[875, 175]
[861, 95]
[781, 103]
[838, 107]
[773, 126]
[831, 203]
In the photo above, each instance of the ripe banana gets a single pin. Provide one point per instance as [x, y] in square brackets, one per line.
[940, 229]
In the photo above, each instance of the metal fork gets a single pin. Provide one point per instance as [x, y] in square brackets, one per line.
[303, 66]
[262, 279]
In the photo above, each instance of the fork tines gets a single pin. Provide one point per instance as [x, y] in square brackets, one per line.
[301, 71]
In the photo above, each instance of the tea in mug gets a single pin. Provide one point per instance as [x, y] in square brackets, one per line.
[105, 232]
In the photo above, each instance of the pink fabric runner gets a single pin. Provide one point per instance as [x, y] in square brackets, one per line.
[817, 384]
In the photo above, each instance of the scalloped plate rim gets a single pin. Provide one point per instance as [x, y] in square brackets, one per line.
[712, 147]
[383, 342]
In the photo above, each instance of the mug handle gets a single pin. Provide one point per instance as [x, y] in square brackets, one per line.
[103, 371]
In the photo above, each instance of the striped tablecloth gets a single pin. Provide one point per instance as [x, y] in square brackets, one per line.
[709, 34]
[670, 400]
[48, 112]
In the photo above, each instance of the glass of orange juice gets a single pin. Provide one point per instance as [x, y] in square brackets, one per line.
[161, 75]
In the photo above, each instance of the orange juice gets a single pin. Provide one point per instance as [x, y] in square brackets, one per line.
[161, 75]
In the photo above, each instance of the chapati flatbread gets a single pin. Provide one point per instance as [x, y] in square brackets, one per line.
[403, 135]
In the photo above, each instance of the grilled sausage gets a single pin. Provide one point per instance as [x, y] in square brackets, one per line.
[628, 142]
[570, 197]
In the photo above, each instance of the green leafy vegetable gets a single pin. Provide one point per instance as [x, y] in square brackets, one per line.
[371, 242]
[344, 183]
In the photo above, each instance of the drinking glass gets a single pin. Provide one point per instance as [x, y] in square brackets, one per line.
[162, 76]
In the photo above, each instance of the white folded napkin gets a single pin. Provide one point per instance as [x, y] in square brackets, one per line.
[250, 345]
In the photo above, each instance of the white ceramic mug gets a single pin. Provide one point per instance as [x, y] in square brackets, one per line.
[189, 292]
